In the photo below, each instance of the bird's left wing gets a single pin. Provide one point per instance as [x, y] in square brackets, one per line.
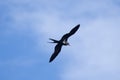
[56, 52]
[74, 30]
[66, 36]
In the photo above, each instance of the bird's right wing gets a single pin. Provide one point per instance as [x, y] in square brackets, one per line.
[56, 52]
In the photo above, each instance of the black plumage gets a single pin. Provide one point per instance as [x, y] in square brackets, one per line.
[61, 42]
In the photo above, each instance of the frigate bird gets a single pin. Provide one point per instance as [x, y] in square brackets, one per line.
[61, 42]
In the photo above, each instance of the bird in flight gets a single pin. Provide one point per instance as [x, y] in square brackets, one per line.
[62, 41]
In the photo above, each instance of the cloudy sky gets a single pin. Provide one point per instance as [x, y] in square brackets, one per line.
[26, 26]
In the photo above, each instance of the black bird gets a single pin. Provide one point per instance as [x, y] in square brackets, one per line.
[61, 42]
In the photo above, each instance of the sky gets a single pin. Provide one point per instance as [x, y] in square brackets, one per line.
[27, 25]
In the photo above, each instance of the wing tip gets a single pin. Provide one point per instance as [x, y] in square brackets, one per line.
[50, 60]
[78, 25]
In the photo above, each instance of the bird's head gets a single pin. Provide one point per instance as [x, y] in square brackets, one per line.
[67, 44]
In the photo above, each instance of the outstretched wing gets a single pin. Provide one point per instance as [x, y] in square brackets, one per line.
[66, 36]
[56, 52]
[74, 30]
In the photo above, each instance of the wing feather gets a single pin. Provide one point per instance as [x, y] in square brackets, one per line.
[56, 52]
[66, 36]
[74, 30]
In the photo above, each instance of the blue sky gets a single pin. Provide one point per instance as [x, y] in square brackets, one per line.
[26, 26]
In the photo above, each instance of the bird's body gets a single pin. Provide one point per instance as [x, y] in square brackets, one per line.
[62, 41]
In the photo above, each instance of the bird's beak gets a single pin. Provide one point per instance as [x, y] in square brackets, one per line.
[68, 44]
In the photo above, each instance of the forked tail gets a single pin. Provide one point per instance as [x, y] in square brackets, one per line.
[54, 41]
